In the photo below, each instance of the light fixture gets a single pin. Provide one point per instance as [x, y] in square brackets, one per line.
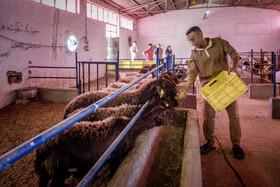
[207, 11]
[72, 43]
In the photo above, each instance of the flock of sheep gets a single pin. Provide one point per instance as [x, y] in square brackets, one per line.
[77, 149]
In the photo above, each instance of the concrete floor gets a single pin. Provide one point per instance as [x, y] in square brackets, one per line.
[260, 141]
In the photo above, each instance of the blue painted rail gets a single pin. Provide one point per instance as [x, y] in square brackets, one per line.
[274, 74]
[109, 151]
[23, 149]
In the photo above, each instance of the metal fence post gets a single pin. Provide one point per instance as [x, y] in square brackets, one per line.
[80, 89]
[252, 66]
[274, 74]
[76, 59]
[157, 63]
[117, 66]
[88, 76]
[97, 76]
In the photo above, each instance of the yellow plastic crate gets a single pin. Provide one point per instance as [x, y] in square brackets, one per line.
[223, 90]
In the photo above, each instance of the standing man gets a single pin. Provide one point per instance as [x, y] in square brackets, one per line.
[149, 53]
[160, 51]
[208, 59]
[133, 52]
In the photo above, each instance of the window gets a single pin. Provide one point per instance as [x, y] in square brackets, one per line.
[48, 2]
[111, 31]
[100, 14]
[69, 5]
[94, 12]
[106, 16]
[60, 4]
[126, 23]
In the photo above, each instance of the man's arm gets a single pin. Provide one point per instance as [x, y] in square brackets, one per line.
[234, 66]
[192, 74]
[145, 54]
[183, 94]
[232, 53]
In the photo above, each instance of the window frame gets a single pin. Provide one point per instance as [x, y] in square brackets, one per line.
[77, 5]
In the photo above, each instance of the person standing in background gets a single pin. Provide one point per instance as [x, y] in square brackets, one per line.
[168, 55]
[149, 53]
[168, 51]
[160, 52]
[133, 52]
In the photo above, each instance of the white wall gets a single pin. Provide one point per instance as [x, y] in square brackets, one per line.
[245, 28]
[52, 27]
[124, 44]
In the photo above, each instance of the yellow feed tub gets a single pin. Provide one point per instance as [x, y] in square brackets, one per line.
[223, 90]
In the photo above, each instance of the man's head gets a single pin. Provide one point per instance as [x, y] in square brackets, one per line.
[195, 36]
[134, 43]
[158, 45]
[150, 45]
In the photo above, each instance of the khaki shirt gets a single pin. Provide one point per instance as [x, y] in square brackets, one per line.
[160, 53]
[209, 62]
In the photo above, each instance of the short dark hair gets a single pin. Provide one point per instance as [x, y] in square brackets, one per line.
[134, 42]
[193, 29]
[150, 44]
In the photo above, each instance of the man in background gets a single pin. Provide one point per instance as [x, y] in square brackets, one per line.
[160, 51]
[148, 53]
[133, 52]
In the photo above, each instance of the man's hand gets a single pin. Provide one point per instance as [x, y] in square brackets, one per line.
[233, 69]
[181, 95]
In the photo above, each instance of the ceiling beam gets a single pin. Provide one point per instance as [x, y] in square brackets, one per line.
[119, 7]
[142, 7]
[174, 4]
[237, 2]
[158, 5]
[274, 2]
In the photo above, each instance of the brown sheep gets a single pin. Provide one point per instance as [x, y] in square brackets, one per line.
[161, 88]
[81, 145]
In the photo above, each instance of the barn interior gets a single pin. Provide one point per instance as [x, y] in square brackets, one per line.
[64, 63]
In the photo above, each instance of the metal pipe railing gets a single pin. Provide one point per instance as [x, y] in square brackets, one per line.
[51, 67]
[49, 77]
[78, 71]
[109, 151]
[23, 149]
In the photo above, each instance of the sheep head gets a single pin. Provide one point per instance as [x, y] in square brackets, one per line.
[164, 116]
[170, 76]
[165, 88]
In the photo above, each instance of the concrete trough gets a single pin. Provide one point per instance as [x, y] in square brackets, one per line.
[261, 91]
[274, 107]
[138, 165]
[58, 94]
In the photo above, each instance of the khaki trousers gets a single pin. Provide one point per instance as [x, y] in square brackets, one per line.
[234, 122]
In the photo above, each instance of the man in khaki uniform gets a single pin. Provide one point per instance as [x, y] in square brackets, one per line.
[208, 59]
